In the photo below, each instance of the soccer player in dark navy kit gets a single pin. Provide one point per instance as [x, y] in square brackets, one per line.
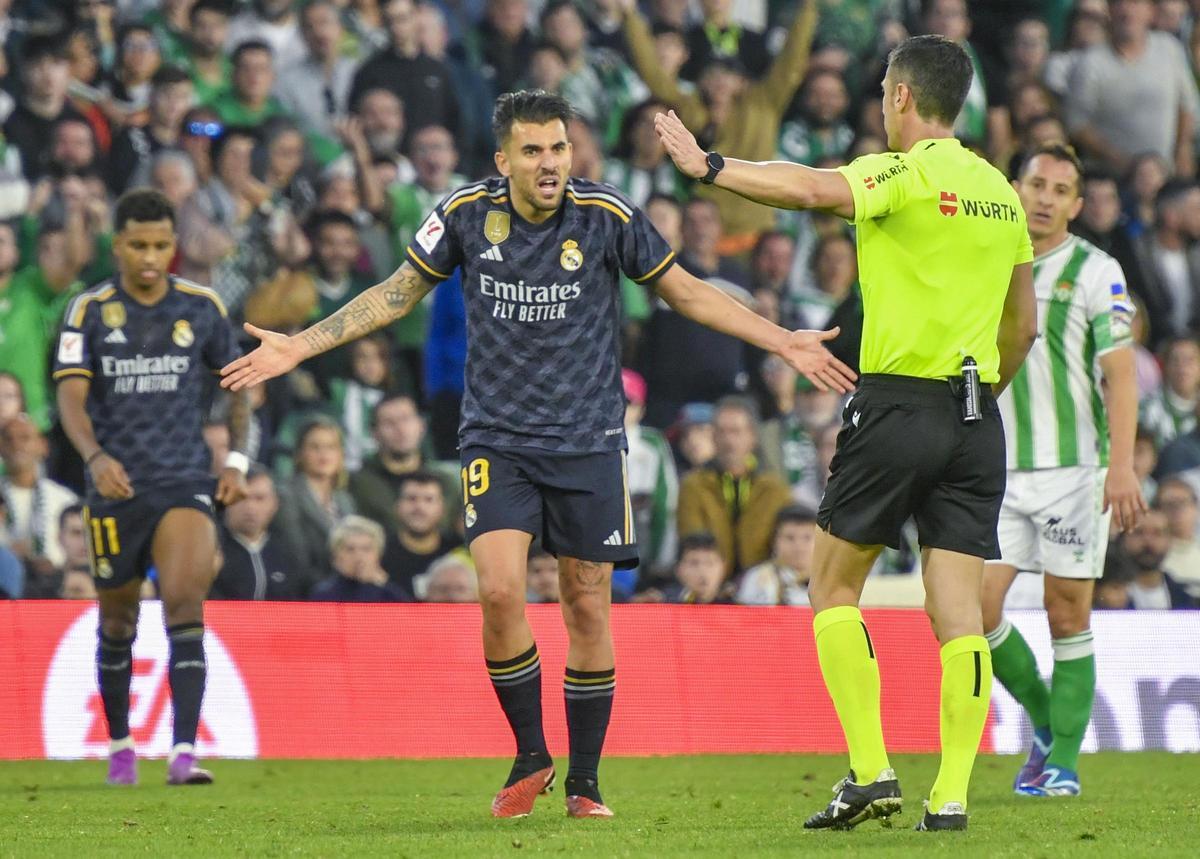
[542, 439]
[134, 363]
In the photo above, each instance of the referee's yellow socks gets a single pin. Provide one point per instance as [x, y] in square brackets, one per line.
[966, 693]
[851, 674]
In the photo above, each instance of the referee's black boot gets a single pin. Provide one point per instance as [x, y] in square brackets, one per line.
[853, 803]
[952, 817]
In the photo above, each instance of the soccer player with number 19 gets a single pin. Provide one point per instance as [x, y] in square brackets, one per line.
[542, 438]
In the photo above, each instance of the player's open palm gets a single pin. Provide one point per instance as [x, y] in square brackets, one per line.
[273, 357]
[110, 479]
[1123, 495]
[805, 350]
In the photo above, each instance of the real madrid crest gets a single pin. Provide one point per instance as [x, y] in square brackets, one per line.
[572, 256]
[496, 226]
[104, 568]
[470, 516]
[112, 314]
[182, 336]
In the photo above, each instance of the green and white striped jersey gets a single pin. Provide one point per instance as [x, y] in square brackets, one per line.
[1053, 410]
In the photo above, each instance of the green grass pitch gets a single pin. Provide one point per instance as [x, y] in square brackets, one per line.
[1142, 804]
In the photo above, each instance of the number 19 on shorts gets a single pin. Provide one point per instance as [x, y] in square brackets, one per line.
[475, 479]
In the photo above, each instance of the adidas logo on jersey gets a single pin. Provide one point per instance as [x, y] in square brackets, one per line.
[116, 336]
[493, 254]
[614, 539]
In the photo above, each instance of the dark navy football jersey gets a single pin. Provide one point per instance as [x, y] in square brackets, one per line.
[543, 310]
[151, 371]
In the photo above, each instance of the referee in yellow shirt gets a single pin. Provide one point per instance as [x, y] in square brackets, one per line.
[945, 265]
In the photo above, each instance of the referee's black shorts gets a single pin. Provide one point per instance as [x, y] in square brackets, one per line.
[904, 451]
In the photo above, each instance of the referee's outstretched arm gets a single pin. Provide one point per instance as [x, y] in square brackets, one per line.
[1018, 324]
[780, 184]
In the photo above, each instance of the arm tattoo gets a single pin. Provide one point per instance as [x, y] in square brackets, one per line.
[374, 308]
[239, 421]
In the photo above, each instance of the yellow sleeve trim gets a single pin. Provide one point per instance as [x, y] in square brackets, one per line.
[72, 371]
[602, 205]
[207, 293]
[413, 256]
[85, 300]
[466, 199]
[656, 269]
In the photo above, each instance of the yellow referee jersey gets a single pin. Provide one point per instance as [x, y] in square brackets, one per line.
[939, 231]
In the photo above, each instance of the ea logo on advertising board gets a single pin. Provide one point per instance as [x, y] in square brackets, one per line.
[73, 724]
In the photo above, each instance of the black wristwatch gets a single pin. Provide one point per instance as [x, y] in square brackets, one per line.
[715, 165]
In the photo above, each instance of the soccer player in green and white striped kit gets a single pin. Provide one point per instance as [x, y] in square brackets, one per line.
[1070, 467]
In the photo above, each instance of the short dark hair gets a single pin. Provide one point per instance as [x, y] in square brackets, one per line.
[1172, 192]
[421, 477]
[144, 205]
[1173, 480]
[217, 147]
[795, 514]
[247, 46]
[387, 400]
[219, 7]
[38, 48]
[169, 76]
[939, 73]
[328, 217]
[1058, 151]
[69, 510]
[256, 471]
[700, 541]
[528, 105]
[553, 7]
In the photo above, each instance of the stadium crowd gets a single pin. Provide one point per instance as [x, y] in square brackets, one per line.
[304, 141]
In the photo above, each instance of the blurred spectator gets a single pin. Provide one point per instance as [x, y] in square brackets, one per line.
[12, 394]
[718, 37]
[72, 146]
[733, 498]
[135, 147]
[284, 169]
[732, 114]
[1028, 51]
[314, 500]
[1134, 95]
[587, 161]
[32, 302]
[653, 485]
[694, 437]
[681, 360]
[434, 160]
[138, 59]
[1112, 589]
[789, 441]
[1171, 410]
[249, 101]
[399, 432]
[78, 585]
[639, 166]
[451, 579]
[352, 400]
[1148, 173]
[174, 176]
[1101, 222]
[382, 115]
[983, 120]
[316, 89]
[1087, 26]
[1145, 461]
[700, 573]
[1169, 260]
[444, 364]
[34, 503]
[42, 103]
[422, 84]
[502, 43]
[417, 539]
[215, 431]
[771, 266]
[541, 575]
[201, 128]
[1177, 499]
[170, 23]
[835, 272]
[355, 547]
[257, 564]
[274, 22]
[333, 270]
[44, 583]
[783, 580]
[206, 61]
[819, 127]
[1147, 546]
[364, 23]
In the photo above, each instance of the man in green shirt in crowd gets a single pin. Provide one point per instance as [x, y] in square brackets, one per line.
[31, 304]
[945, 269]
[249, 102]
